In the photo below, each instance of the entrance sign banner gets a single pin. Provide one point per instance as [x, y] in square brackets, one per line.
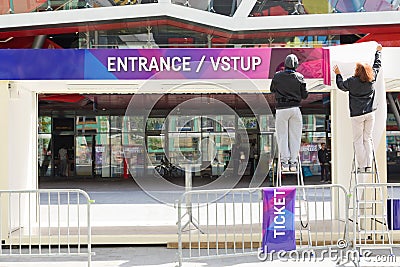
[143, 64]
[41, 64]
[278, 219]
[183, 63]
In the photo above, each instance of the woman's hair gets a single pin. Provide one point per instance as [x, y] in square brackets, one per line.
[364, 72]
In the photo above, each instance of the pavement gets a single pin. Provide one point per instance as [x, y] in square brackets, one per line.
[157, 256]
[127, 191]
[122, 202]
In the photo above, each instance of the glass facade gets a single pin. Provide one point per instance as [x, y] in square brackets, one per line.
[94, 143]
[314, 134]
[203, 140]
[44, 146]
[393, 146]
[116, 146]
[107, 146]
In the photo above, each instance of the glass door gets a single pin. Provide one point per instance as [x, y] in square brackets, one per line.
[156, 152]
[102, 166]
[84, 155]
[44, 146]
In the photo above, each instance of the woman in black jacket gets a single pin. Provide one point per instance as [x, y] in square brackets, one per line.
[361, 103]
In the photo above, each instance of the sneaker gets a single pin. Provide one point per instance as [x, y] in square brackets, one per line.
[360, 170]
[368, 169]
[293, 166]
[322, 181]
[328, 181]
[285, 167]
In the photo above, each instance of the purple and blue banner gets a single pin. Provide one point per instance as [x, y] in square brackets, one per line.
[143, 64]
[393, 209]
[278, 219]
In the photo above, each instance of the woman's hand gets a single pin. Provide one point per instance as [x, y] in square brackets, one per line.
[336, 69]
[379, 47]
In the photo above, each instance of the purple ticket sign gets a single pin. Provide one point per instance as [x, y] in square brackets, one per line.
[278, 219]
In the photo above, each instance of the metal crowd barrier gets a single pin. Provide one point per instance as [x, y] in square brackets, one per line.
[375, 218]
[48, 223]
[218, 223]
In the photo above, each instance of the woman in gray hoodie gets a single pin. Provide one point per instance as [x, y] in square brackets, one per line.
[289, 88]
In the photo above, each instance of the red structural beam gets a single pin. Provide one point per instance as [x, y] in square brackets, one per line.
[65, 98]
[386, 39]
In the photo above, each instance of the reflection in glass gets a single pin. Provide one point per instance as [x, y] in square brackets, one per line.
[44, 124]
[155, 124]
[83, 153]
[155, 150]
[44, 154]
[183, 147]
[207, 147]
[103, 124]
[267, 123]
[249, 122]
[134, 154]
[117, 156]
[268, 150]
[133, 123]
[207, 124]
[314, 122]
[267, 144]
[310, 143]
[184, 123]
[89, 124]
[102, 155]
[116, 123]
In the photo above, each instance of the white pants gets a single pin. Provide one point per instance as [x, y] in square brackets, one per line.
[288, 125]
[362, 138]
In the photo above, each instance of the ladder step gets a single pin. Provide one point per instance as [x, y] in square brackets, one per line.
[370, 202]
[375, 232]
[370, 216]
[289, 172]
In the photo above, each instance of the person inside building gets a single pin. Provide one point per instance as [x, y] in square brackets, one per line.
[361, 103]
[289, 88]
[252, 157]
[63, 156]
[235, 157]
[323, 158]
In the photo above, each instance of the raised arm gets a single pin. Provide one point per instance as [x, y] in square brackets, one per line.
[342, 85]
[377, 62]
[303, 87]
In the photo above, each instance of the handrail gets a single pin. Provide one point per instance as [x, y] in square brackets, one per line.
[46, 219]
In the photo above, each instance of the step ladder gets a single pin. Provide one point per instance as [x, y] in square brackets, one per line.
[370, 208]
[298, 172]
[302, 205]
